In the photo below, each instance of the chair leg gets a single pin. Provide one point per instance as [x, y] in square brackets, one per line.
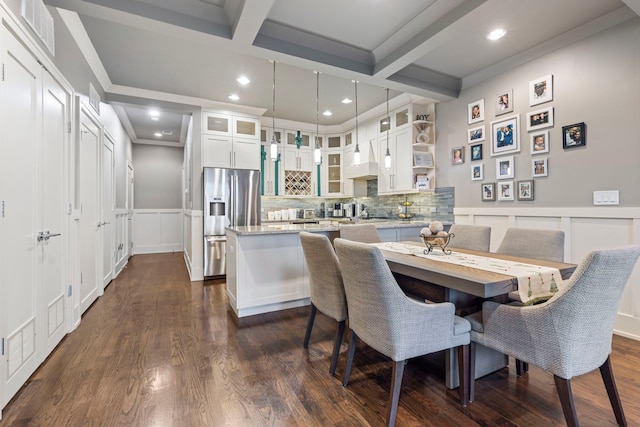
[525, 367]
[394, 393]
[519, 367]
[612, 391]
[463, 373]
[566, 400]
[312, 317]
[352, 350]
[336, 347]
[472, 370]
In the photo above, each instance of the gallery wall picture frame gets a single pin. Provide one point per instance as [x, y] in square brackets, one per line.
[488, 191]
[505, 167]
[457, 155]
[541, 90]
[504, 102]
[475, 111]
[540, 167]
[540, 119]
[475, 135]
[539, 142]
[524, 189]
[574, 135]
[505, 191]
[477, 172]
[476, 152]
[505, 135]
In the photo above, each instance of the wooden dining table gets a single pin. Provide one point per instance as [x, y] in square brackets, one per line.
[466, 287]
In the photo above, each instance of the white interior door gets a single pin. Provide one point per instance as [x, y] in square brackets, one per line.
[108, 211]
[55, 119]
[20, 130]
[89, 249]
[129, 209]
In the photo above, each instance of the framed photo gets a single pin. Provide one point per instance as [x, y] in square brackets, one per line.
[476, 172]
[505, 191]
[488, 191]
[475, 135]
[505, 135]
[504, 102]
[574, 135]
[505, 167]
[424, 159]
[541, 90]
[539, 167]
[476, 152]
[457, 155]
[540, 119]
[475, 111]
[539, 142]
[525, 189]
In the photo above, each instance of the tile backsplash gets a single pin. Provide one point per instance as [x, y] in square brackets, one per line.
[442, 199]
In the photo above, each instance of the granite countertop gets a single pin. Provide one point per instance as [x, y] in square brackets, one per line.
[324, 225]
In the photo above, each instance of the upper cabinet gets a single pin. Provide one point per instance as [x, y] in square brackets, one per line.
[230, 141]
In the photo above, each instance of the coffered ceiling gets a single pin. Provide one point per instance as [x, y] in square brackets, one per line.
[190, 52]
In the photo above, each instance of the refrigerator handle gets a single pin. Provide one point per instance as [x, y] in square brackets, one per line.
[232, 205]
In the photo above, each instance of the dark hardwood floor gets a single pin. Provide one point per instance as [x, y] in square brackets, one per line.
[158, 350]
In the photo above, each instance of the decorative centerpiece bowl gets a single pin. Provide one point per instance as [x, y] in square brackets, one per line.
[435, 236]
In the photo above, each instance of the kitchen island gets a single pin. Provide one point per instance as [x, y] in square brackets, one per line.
[266, 270]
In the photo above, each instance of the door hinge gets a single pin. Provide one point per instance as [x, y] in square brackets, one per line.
[69, 127]
[3, 209]
[2, 346]
[69, 291]
[3, 71]
[81, 278]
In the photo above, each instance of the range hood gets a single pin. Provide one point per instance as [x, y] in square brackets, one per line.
[367, 170]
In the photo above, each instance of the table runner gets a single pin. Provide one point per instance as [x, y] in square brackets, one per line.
[536, 283]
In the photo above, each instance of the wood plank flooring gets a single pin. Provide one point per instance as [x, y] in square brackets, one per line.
[159, 350]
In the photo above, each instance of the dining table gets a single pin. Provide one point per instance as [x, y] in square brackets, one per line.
[423, 275]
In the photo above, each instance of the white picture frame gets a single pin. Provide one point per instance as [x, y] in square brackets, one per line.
[475, 135]
[541, 90]
[505, 167]
[475, 111]
[504, 102]
[539, 167]
[505, 191]
[505, 135]
[539, 142]
[540, 119]
[477, 172]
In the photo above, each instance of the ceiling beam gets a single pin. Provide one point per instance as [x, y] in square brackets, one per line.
[249, 20]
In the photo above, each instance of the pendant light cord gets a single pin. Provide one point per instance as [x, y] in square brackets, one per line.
[317, 105]
[388, 121]
[357, 147]
[274, 97]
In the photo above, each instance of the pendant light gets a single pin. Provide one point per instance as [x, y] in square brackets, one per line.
[356, 153]
[387, 157]
[317, 155]
[274, 141]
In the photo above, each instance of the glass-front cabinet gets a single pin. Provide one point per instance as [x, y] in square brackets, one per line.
[334, 173]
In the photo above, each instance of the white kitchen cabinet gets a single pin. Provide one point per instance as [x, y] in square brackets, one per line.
[229, 152]
[298, 159]
[230, 141]
[398, 179]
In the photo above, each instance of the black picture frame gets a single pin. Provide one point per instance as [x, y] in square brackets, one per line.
[476, 152]
[574, 136]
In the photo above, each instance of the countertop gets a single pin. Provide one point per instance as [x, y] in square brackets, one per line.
[324, 225]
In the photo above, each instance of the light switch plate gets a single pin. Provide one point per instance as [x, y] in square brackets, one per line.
[608, 198]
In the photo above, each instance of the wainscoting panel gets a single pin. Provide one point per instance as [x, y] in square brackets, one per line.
[586, 229]
[157, 231]
[193, 244]
[122, 248]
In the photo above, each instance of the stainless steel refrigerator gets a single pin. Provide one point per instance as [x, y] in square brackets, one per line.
[231, 197]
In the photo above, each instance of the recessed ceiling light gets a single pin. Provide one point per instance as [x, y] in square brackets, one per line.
[346, 101]
[157, 134]
[154, 113]
[327, 113]
[155, 119]
[243, 80]
[234, 97]
[496, 34]
[167, 132]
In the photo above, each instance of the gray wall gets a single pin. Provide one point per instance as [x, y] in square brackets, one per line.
[596, 81]
[158, 177]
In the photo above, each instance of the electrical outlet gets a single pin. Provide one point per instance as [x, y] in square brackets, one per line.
[608, 198]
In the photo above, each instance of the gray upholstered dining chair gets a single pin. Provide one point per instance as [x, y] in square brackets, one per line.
[326, 288]
[547, 245]
[472, 237]
[568, 335]
[382, 316]
[365, 233]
